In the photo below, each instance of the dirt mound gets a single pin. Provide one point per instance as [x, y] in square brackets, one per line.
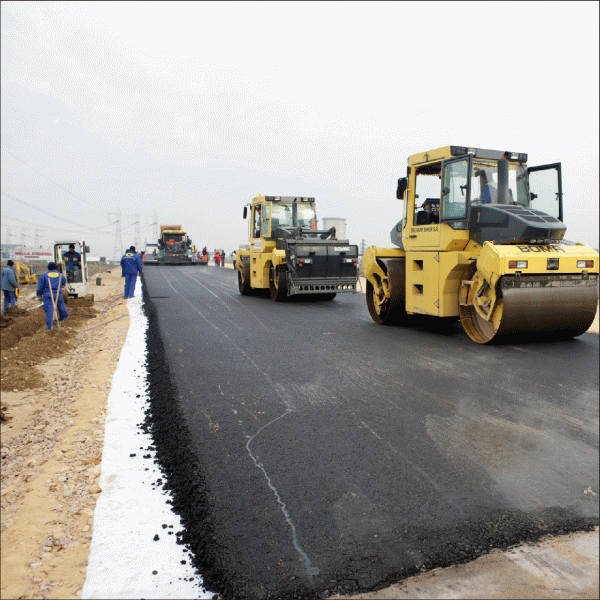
[26, 342]
[12, 313]
[18, 323]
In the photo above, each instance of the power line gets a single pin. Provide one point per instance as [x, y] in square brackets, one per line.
[49, 213]
[46, 227]
[54, 182]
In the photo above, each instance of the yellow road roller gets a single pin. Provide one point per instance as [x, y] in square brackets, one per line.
[288, 256]
[482, 239]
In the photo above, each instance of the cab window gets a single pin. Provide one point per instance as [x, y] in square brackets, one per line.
[256, 221]
[306, 215]
[283, 215]
[266, 213]
[456, 177]
[427, 194]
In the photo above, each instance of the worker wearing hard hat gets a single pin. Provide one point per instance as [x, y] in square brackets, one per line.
[50, 286]
[131, 267]
[73, 264]
[10, 285]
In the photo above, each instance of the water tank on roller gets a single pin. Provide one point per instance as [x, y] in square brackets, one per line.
[340, 227]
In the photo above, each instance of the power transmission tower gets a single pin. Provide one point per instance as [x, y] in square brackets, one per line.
[36, 238]
[362, 247]
[24, 236]
[137, 231]
[118, 247]
[8, 235]
[150, 221]
[135, 222]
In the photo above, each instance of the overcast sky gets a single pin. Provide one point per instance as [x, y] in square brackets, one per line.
[188, 110]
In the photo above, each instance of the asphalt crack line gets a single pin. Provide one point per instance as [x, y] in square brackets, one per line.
[310, 570]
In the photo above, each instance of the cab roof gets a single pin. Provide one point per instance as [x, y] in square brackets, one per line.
[448, 152]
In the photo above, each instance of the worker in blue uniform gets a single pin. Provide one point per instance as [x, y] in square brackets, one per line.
[73, 264]
[50, 286]
[131, 267]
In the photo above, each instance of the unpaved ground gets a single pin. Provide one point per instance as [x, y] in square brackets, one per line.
[55, 385]
[557, 567]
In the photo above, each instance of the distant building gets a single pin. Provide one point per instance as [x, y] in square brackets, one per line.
[24, 253]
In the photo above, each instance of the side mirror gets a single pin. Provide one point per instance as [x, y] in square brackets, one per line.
[86, 249]
[402, 186]
[245, 212]
[445, 191]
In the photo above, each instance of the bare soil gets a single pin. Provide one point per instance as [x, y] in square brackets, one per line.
[55, 386]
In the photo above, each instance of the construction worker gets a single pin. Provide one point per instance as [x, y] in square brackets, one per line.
[10, 285]
[217, 258]
[50, 286]
[131, 267]
[73, 264]
[233, 258]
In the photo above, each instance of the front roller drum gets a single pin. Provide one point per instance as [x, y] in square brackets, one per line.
[278, 285]
[388, 309]
[540, 306]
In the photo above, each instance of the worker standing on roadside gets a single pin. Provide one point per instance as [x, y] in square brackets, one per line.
[10, 285]
[217, 258]
[131, 267]
[73, 264]
[50, 287]
[233, 258]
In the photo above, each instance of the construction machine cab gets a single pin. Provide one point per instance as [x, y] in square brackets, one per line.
[274, 216]
[71, 259]
[457, 182]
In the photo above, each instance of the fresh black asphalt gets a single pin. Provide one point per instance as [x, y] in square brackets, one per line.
[312, 452]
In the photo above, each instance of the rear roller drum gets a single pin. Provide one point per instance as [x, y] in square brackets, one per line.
[244, 280]
[388, 309]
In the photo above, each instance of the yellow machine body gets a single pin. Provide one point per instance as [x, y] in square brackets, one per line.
[488, 248]
[288, 256]
[25, 273]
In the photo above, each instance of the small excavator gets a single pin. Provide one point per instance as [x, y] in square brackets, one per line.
[288, 256]
[482, 239]
[25, 273]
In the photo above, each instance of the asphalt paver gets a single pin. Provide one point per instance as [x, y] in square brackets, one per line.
[312, 452]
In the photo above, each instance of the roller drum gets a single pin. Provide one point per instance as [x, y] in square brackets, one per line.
[567, 310]
[555, 307]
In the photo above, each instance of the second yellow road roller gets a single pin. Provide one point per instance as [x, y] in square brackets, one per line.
[482, 239]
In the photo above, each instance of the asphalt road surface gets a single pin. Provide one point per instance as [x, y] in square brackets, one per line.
[312, 452]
